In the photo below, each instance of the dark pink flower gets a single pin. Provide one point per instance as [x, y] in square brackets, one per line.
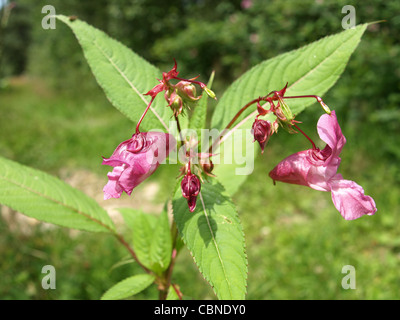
[190, 186]
[261, 130]
[136, 159]
[317, 169]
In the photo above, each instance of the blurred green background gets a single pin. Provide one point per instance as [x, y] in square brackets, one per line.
[54, 117]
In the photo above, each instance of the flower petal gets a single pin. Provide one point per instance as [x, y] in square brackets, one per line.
[293, 169]
[112, 189]
[318, 176]
[329, 131]
[349, 198]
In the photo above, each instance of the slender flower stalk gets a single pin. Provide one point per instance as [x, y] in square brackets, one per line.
[308, 138]
[285, 118]
[143, 115]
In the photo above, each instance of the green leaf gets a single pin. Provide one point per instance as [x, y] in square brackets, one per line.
[198, 119]
[142, 226]
[172, 295]
[214, 236]
[151, 238]
[161, 245]
[124, 76]
[310, 70]
[46, 198]
[235, 160]
[128, 287]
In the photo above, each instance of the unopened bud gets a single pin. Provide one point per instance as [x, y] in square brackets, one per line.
[261, 130]
[210, 93]
[324, 106]
[190, 186]
[207, 166]
[187, 91]
[175, 102]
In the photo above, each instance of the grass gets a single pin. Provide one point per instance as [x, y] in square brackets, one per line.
[297, 243]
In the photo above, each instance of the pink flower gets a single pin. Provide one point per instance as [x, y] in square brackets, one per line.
[134, 160]
[317, 169]
[262, 130]
[190, 186]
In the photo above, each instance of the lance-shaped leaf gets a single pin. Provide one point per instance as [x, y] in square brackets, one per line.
[312, 69]
[199, 116]
[142, 226]
[128, 287]
[161, 245]
[214, 236]
[123, 75]
[46, 198]
[151, 238]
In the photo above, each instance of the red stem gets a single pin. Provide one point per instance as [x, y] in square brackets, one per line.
[144, 113]
[308, 138]
[319, 99]
[201, 84]
[240, 112]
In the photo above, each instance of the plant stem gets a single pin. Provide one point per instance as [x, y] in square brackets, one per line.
[229, 125]
[179, 128]
[308, 138]
[319, 99]
[240, 112]
[131, 251]
[144, 113]
[165, 280]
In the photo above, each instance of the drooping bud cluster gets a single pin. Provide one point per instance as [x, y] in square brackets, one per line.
[263, 129]
[182, 95]
[198, 162]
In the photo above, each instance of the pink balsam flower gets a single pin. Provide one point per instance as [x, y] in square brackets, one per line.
[317, 169]
[136, 159]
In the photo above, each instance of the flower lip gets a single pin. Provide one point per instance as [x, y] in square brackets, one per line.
[137, 143]
[320, 155]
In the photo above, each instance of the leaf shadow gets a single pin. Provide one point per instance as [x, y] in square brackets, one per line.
[206, 223]
[207, 228]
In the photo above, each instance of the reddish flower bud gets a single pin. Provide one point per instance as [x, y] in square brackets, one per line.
[261, 130]
[207, 166]
[190, 186]
[187, 91]
[175, 102]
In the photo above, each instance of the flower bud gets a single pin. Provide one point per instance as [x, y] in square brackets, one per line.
[187, 91]
[175, 102]
[261, 130]
[190, 186]
[210, 93]
[207, 166]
